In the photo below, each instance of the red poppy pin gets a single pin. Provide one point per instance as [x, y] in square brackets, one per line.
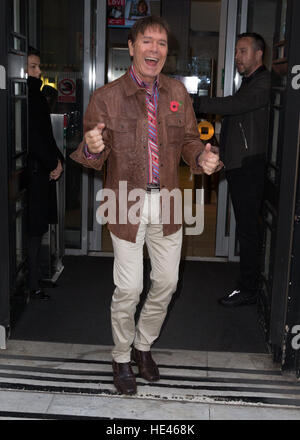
[174, 105]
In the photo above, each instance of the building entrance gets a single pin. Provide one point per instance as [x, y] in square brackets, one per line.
[82, 49]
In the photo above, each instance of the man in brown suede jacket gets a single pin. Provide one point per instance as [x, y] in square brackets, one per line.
[142, 124]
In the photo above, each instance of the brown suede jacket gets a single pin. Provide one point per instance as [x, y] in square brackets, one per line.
[121, 106]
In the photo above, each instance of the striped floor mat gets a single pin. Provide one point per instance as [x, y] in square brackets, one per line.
[186, 376]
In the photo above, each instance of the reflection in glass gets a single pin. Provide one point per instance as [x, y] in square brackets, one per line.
[275, 136]
[267, 253]
[19, 205]
[269, 218]
[17, 43]
[62, 62]
[18, 126]
[272, 174]
[19, 88]
[277, 100]
[262, 19]
[19, 240]
[17, 17]
[20, 163]
[283, 20]
[201, 68]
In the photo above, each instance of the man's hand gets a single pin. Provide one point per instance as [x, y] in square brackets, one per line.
[209, 160]
[55, 174]
[94, 140]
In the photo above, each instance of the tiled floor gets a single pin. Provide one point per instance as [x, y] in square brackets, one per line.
[60, 381]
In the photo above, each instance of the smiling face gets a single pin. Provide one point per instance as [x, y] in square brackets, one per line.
[149, 52]
[142, 7]
[247, 57]
[33, 66]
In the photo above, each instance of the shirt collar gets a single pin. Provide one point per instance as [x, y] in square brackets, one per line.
[135, 77]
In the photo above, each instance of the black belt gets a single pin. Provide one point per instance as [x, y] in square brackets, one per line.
[151, 187]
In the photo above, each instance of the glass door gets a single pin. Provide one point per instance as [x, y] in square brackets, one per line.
[14, 151]
[239, 16]
[58, 31]
[94, 180]
[71, 38]
[17, 140]
[234, 22]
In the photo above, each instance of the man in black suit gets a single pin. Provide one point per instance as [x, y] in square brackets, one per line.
[243, 144]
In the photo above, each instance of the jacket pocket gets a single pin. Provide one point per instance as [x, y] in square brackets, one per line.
[244, 136]
[175, 125]
[123, 135]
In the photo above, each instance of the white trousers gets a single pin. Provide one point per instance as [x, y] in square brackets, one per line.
[164, 253]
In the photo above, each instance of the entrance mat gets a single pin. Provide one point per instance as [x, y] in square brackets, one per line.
[186, 376]
[79, 309]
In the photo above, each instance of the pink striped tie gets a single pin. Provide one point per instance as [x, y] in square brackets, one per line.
[151, 103]
[152, 140]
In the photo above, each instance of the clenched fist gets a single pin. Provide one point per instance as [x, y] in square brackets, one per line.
[209, 160]
[94, 140]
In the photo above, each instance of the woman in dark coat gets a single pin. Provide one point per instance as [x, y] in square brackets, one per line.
[44, 168]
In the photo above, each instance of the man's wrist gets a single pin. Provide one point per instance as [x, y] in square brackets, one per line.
[90, 155]
[197, 159]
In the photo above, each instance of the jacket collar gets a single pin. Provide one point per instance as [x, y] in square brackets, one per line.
[34, 83]
[247, 79]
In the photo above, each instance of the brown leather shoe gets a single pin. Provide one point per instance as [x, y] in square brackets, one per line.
[147, 367]
[124, 378]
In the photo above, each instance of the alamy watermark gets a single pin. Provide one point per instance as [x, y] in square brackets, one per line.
[129, 207]
[296, 339]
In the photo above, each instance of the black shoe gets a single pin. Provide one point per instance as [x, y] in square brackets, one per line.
[39, 294]
[238, 298]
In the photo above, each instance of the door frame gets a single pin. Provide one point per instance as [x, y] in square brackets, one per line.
[234, 15]
[285, 306]
[4, 218]
[95, 235]
[13, 87]
[94, 65]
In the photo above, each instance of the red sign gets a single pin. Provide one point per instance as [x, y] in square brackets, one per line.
[116, 12]
[66, 90]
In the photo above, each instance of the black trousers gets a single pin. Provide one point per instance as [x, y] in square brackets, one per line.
[246, 188]
[34, 247]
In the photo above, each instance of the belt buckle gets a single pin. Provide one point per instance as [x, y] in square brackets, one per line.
[153, 189]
